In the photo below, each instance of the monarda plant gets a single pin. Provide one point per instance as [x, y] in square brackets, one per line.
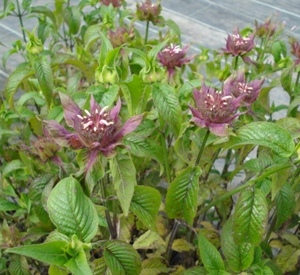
[126, 153]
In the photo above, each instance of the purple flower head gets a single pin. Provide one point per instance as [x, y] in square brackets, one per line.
[120, 36]
[148, 11]
[237, 45]
[173, 56]
[237, 86]
[269, 28]
[98, 130]
[115, 3]
[214, 110]
[295, 45]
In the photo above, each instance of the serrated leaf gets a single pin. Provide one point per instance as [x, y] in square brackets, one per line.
[44, 75]
[145, 205]
[45, 11]
[288, 258]
[50, 253]
[285, 204]
[78, 265]
[286, 79]
[149, 240]
[71, 211]
[258, 164]
[73, 19]
[22, 72]
[143, 147]
[124, 180]
[209, 255]
[250, 217]
[18, 265]
[6, 205]
[266, 134]
[239, 256]
[136, 94]
[99, 266]
[154, 266]
[181, 200]
[121, 258]
[182, 245]
[167, 105]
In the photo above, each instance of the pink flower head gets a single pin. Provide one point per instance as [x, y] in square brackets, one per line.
[214, 110]
[295, 45]
[115, 3]
[173, 56]
[266, 29]
[237, 86]
[148, 11]
[237, 45]
[98, 130]
[120, 36]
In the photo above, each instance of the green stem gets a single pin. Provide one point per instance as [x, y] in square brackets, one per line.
[21, 21]
[297, 80]
[147, 32]
[235, 63]
[171, 239]
[227, 162]
[166, 159]
[202, 147]
[112, 229]
[211, 165]
[271, 228]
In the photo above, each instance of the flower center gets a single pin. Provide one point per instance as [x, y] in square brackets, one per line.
[240, 41]
[96, 122]
[244, 88]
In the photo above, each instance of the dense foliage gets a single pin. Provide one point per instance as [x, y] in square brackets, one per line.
[124, 153]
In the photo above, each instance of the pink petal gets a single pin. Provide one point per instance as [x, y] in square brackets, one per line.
[94, 105]
[128, 127]
[114, 113]
[220, 130]
[71, 109]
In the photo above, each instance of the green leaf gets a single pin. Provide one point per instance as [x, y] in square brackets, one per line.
[18, 265]
[6, 205]
[44, 75]
[286, 79]
[266, 134]
[92, 34]
[285, 204]
[145, 204]
[209, 255]
[121, 258]
[73, 19]
[168, 106]
[239, 256]
[288, 258]
[99, 266]
[154, 266]
[22, 72]
[136, 94]
[250, 217]
[45, 11]
[79, 265]
[71, 211]
[181, 200]
[124, 180]
[143, 147]
[50, 253]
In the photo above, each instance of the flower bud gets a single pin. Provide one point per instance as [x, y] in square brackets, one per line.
[106, 75]
[34, 45]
